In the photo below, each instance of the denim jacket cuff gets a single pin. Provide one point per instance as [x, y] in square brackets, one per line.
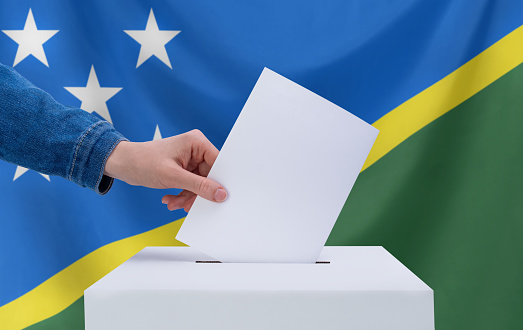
[91, 152]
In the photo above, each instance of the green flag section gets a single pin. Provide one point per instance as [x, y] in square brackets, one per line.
[448, 203]
[71, 318]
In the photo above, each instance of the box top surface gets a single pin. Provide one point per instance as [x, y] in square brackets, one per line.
[175, 268]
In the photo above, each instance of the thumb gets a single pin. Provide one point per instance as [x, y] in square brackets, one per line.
[202, 186]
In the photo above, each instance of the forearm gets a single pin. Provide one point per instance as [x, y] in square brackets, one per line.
[41, 134]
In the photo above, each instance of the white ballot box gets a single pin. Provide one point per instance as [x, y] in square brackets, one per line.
[178, 288]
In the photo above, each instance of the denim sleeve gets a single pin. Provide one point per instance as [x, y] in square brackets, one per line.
[41, 134]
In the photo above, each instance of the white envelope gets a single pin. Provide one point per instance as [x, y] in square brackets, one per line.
[288, 165]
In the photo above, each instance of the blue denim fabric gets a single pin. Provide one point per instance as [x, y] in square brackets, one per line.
[41, 134]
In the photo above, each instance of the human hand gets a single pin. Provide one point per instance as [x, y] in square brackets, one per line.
[182, 161]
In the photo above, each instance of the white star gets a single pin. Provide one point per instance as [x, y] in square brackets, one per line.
[30, 40]
[152, 41]
[93, 96]
[157, 134]
[21, 170]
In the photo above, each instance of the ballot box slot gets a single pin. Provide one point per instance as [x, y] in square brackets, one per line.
[219, 262]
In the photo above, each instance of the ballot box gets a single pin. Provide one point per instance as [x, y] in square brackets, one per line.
[181, 288]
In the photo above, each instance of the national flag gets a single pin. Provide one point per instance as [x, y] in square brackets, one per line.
[441, 189]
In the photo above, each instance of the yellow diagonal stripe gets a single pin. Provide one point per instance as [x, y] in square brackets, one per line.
[58, 292]
[419, 111]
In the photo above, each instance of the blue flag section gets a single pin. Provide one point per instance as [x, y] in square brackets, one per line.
[162, 68]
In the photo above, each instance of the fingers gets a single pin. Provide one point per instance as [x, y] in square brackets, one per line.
[211, 153]
[202, 186]
[208, 151]
[183, 200]
[177, 202]
[188, 204]
[171, 201]
[193, 163]
[204, 169]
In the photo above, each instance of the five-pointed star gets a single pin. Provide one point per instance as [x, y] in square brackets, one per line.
[93, 96]
[30, 40]
[152, 41]
[21, 170]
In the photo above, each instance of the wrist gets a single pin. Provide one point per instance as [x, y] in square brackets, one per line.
[117, 160]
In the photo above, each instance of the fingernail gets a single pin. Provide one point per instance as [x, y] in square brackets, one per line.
[220, 195]
[164, 200]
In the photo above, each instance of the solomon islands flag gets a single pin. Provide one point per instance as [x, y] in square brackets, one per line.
[441, 79]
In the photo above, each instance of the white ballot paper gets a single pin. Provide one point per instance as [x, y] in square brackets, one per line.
[288, 166]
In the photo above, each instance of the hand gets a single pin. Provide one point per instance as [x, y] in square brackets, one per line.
[182, 161]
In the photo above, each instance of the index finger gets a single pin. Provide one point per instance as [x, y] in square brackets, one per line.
[206, 152]
[210, 153]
